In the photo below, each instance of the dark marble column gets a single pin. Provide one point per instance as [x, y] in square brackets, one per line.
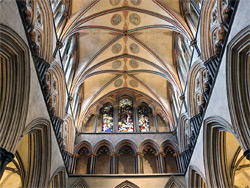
[115, 128]
[96, 121]
[136, 121]
[156, 123]
[5, 158]
[159, 160]
[139, 163]
[247, 154]
[92, 163]
[113, 163]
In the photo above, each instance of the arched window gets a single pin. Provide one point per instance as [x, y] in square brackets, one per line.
[107, 118]
[143, 118]
[125, 121]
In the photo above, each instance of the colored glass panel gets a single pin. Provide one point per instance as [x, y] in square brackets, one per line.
[143, 116]
[107, 122]
[125, 121]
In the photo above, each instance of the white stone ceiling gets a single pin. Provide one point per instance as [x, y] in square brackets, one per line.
[125, 44]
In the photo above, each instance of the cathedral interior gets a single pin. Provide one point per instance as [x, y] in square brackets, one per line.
[125, 93]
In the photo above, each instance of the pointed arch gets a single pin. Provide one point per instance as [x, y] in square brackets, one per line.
[238, 86]
[150, 143]
[68, 133]
[55, 81]
[126, 142]
[79, 183]
[58, 179]
[183, 132]
[82, 144]
[195, 88]
[38, 136]
[15, 87]
[127, 184]
[173, 182]
[196, 178]
[214, 127]
[102, 143]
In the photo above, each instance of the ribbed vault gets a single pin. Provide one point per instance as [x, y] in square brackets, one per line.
[125, 44]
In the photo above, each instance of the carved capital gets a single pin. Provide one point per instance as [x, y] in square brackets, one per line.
[59, 44]
[193, 42]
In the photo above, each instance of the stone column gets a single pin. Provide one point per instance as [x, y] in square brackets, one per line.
[113, 163]
[95, 123]
[115, 128]
[92, 157]
[155, 121]
[139, 160]
[5, 158]
[136, 121]
[159, 162]
[177, 161]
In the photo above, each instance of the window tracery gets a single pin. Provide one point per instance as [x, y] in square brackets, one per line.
[125, 122]
[107, 122]
[143, 116]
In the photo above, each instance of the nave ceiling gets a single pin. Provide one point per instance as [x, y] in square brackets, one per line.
[125, 44]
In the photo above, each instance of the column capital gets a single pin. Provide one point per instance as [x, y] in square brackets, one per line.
[139, 154]
[113, 154]
[193, 42]
[91, 154]
[59, 44]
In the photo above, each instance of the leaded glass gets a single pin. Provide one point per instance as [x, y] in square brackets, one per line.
[143, 116]
[107, 118]
[125, 121]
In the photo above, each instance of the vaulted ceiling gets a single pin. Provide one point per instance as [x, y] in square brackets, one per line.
[125, 44]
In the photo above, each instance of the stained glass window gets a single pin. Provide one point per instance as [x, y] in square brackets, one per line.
[125, 121]
[107, 122]
[143, 116]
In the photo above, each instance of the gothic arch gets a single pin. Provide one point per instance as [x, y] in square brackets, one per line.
[183, 132]
[15, 78]
[58, 178]
[215, 166]
[38, 136]
[38, 18]
[169, 152]
[169, 143]
[173, 183]
[196, 178]
[127, 184]
[57, 88]
[82, 144]
[79, 183]
[126, 142]
[238, 79]
[195, 88]
[68, 133]
[150, 143]
[102, 143]
[215, 17]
